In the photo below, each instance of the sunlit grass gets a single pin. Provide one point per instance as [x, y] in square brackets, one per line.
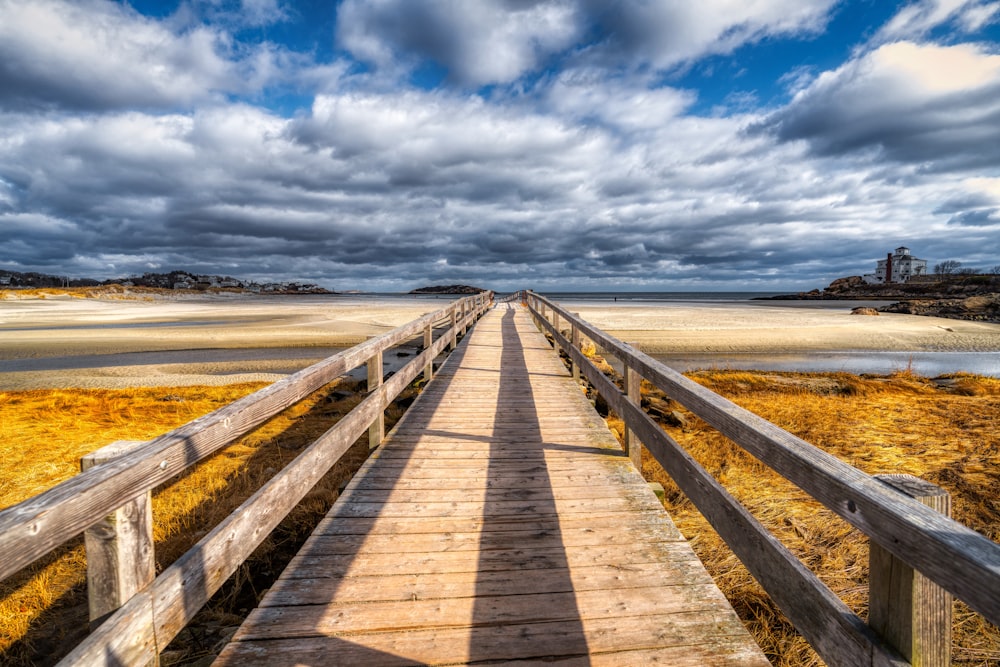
[945, 431]
[44, 433]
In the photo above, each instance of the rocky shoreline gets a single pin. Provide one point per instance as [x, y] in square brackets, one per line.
[448, 289]
[975, 297]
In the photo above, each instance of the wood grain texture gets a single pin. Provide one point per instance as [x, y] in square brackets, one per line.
[500, 520]
[120, 558]
[839, 636]
[154, 617]
[955, 557]
[32, 528]
[912, 613]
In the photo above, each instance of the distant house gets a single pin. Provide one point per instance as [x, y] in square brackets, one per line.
[897, 267]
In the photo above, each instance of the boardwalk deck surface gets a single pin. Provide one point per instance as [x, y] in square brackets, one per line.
[499, 522]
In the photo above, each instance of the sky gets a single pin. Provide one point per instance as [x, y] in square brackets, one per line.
[616, 145]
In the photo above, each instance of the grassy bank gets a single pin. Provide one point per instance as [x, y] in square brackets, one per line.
[43, 434]
[946, 431]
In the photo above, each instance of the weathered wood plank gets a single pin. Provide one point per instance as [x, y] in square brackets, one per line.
[434, 554]
[120, 558]
[955, 557]
[511, 642]
[425, 586]
[32, 528]
[180, 591]
[466, 612]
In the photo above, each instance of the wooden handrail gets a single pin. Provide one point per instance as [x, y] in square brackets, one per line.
[32, 528]
[955, 557]
[145, 624]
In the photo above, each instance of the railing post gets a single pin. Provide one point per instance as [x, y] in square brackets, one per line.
[120, 560]
[453, 328]
[575, 342]
[909, 611]
[376, 432]
[428, 339]
[633, 385]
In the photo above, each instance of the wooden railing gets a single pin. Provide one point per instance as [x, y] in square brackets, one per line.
[140, 623]
[912, 615]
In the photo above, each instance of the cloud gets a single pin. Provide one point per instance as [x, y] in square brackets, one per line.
[666, 34]
[97, 55]
[498, 41]
[918, 103]
[484, 41]
[917, 19]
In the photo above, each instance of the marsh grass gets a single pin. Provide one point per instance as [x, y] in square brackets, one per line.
[43, 434]
[945, 430]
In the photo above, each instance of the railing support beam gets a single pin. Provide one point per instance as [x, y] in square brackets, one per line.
[428, 339]
[376, 432]
[633, 385]
[909, 611]
[120, 560]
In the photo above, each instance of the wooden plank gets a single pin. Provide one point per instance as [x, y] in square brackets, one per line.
[912, 613]
[120, 559]
[434, 554]
[478, 541]
[180, 591]
[510, 642]
[35, 526]
[597, 521]
[955, 557]
[837, 634]
[480, 610]
[426, 586]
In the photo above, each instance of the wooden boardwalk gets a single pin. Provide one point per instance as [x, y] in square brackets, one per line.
[500, 521]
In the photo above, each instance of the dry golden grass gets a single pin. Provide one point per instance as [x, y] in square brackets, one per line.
[43, 434]
[947, 432]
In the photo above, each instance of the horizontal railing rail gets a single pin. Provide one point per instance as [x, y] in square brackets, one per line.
[147, 622]
[956, 558]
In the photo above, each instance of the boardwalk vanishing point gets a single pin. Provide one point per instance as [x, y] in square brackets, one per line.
[500, 521]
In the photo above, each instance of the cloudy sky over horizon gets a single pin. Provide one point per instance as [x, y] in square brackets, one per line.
[553, 144]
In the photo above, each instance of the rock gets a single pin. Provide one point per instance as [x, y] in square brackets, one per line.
[864, 311]
[980, 308]
[841, 284]
[448, 289]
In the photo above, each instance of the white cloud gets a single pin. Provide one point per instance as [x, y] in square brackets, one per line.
[916, 102]
[665, 34]
[479, 41]
[94, 54]
[628, 102]
[917, 19]
[498, 41]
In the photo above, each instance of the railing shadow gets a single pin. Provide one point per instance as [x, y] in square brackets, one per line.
[560, 603]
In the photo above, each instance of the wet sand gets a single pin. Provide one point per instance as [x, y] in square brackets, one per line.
[794, 327]
[85, 342]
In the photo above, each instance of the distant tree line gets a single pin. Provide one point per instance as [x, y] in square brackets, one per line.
[953, 267]
[163, 280]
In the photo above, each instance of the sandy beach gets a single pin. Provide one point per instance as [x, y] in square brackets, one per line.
[65, 342]
[796, 326]
[68, 342]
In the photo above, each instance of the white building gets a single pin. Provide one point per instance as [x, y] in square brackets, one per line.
[897, 267]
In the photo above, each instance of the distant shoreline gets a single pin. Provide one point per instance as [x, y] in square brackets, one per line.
[74, 328]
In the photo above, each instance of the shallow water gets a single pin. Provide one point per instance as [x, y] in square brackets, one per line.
[928, 364]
